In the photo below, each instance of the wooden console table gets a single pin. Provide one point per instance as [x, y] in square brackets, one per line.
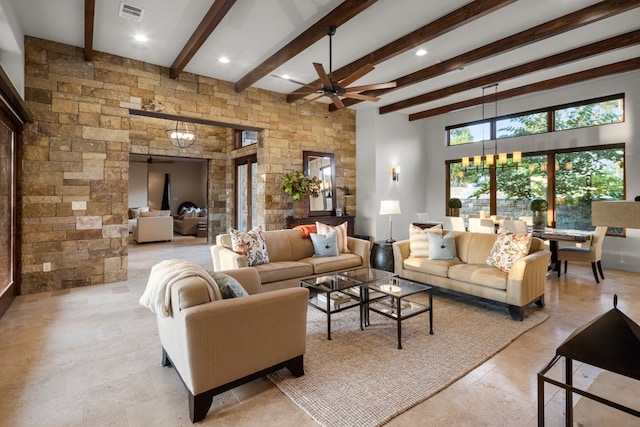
[329, 220]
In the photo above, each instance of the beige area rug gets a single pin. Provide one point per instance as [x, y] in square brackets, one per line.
[360, 378]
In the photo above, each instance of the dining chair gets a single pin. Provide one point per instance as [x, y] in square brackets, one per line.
[514, 226]
[527, 219]
[481, 225]
[592, 254]
[453, 223]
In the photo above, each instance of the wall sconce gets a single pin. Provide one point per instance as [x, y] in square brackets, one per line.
[395, 174]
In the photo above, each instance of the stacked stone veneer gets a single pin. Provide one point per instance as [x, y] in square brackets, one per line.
[77, 149]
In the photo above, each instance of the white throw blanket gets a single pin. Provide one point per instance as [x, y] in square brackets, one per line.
[157, 294]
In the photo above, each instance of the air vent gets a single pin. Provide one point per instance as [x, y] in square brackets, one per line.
[130, 12]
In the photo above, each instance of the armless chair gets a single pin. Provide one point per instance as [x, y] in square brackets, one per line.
[453, 223]
[514, 226]
[592, 254]
[481, 225]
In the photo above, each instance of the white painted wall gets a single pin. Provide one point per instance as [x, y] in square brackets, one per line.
[11, 47]
[420, 151]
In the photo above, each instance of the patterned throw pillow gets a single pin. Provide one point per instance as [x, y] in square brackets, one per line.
[442, 247]
[229, 287]
[325, 245]
[508, 248]
[419, 239]
[342, 234]
[251, 244]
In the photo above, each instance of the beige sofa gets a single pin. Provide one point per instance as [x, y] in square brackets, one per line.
[153, 229]
[290, 258]
[218, 345]
[524, 284]
[188, 226]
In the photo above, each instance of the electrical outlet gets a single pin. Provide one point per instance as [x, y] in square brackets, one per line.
[46, 266]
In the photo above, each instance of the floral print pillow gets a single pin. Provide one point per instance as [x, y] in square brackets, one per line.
[251, 244]
[229, 287]
[508, 248]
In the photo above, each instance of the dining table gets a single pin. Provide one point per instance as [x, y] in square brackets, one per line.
[555, 235]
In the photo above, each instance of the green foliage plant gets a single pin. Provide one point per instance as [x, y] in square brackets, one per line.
[538, 205]
[298, 186]
[454, 203]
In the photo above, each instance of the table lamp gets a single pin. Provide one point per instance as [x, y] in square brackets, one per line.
[390, 207]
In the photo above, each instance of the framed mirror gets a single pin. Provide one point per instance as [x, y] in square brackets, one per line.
[321, 165]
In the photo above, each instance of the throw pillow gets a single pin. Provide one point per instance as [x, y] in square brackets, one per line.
[419, 239]
[342, 234]
[229, 287]
[306, 229]
[325, 245]
[508, 248]
[442, 247]
[251, 244]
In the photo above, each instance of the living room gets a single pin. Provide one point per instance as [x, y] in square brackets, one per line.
[88, 117]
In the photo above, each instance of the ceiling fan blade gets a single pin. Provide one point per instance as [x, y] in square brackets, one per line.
[337, 102]
[361, 97]
[356, 75]
[371, 87]
[324, 79]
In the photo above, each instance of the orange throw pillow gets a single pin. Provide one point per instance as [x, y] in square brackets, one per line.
[306, 229]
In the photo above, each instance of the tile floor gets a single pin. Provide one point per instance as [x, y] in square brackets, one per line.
[91, 357]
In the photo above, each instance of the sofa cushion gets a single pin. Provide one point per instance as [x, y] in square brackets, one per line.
[508, 248]
[283, 270]
[323, 265]
[479, 274]
[325, 245]
[342, 234]
[442, 247]
[251, 244]
[419, 239]
[429, 266]
[228, 286]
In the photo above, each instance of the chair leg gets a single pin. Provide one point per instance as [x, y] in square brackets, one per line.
[600, 269]
[559, 267]
[595, 272]
[566, 263]
[199, 405]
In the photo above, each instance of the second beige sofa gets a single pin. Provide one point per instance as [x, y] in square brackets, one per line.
[290, 258]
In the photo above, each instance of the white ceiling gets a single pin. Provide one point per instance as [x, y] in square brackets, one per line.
[254, 30]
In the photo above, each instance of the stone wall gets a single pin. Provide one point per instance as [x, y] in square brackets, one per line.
[77, 150]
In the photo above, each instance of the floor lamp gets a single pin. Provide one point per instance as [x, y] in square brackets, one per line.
[390, 207]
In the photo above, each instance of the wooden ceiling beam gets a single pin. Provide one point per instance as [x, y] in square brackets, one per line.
[613, 43]
[440, 26]
[550, 84]
[338, 16]
[217, 11]
[571, 21]
[89, 18]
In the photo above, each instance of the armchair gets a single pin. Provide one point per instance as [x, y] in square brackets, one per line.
[218, 345]
[153, 229]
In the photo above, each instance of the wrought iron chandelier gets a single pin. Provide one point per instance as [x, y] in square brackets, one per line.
[182, 134]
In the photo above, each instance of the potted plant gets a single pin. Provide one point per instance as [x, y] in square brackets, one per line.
[299, 186]
[454, 206]
[539, 208]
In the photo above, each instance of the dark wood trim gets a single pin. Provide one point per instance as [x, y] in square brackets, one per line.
[196, 120]
[89, 20]
[338, 16]
[605, 70]
[217, 11]
[571, 21]
[440, 26]
[598, 48]
[11, 103]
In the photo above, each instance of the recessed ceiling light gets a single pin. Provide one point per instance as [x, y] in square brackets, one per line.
[224, 59]
[140, 38]
[421, 52]
[286, 76]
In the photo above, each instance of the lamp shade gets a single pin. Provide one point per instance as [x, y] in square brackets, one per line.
[390, 207]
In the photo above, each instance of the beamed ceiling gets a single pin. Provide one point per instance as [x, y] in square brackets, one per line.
[525, 46]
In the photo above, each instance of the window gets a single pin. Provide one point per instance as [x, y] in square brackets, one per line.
[246, 193]
[577, 178]
[591, 112]
[246, 137]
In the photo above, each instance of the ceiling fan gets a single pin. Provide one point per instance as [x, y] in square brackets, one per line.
[336, 90]
[150, 160]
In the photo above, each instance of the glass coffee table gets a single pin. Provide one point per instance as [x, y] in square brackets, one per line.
[389, 297]
[340, 291]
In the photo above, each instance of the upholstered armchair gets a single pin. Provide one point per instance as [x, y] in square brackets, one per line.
[221, 344]
[153, 229]
[592, 254]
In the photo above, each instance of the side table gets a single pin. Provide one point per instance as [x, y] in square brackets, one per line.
[382, 256]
